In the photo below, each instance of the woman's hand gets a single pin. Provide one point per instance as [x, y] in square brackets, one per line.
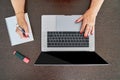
[88, 22]
[23, 24]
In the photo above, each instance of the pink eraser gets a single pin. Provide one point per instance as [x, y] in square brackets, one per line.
[14, 52]
[26, 60]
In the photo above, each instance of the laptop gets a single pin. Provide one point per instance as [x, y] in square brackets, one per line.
[62, 43]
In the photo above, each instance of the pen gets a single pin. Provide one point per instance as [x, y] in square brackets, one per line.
[22, 30]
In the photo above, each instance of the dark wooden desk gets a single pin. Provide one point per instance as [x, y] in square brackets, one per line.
[107, 42]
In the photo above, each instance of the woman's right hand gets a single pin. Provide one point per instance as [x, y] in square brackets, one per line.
[21, 21]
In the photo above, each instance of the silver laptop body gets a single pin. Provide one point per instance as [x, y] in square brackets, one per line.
[62, 23]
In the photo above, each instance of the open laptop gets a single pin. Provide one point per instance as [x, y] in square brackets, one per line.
[62, 43]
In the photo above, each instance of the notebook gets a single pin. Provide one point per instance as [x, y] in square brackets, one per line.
[14, 37]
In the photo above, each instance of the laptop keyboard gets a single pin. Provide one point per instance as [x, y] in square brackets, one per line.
[66, 39]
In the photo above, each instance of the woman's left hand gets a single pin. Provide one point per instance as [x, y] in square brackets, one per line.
[88, 22]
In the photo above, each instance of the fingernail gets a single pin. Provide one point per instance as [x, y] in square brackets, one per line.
[80, 32]
[86, 36]
[92, 33]
[76, 21]
[27, 34]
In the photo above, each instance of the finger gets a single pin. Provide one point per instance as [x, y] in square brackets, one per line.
[23, 24]
[86, 31]
[79, 19]
[83, 27]
[25, 27]
[19, 33]
[92, 31]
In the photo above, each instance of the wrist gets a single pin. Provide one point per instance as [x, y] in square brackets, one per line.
[93, 11]
[19, 14]
[20, 18]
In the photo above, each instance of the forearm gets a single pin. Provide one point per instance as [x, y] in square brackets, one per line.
[18, 5]
[95, 6]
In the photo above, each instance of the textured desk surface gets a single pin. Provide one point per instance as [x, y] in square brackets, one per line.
[107, 42]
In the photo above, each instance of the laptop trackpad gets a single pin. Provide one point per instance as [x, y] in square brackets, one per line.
[67, 23]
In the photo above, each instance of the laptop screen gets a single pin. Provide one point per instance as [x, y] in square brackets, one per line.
[70, 58]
